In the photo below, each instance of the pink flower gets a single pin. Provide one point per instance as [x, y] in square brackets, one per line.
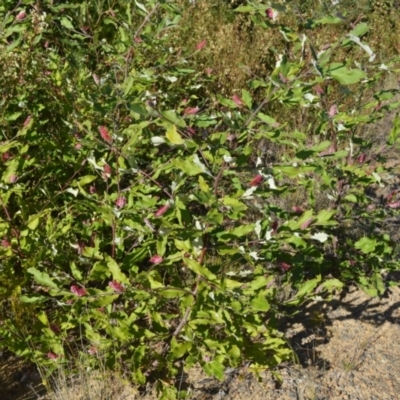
[396, 204]
[156, 259]
[52, 356]
[92, 189]
[120, 202]
[284, 266]
[5, 243]
[318, 89]
[5, 156]
[190, 110]
[138, 39]
[162, 210]
[297, 209]
[271, 14]
[116, 286]
[307, 223]
[333, 111]
[27, 121]
[257, 180]
[105, 134]
[201, 45]
[209, 71]
[13, 178]
[78, 291]
[78, 146]
[361, 158]
[107, 169]
[21, 15]
[237, 100]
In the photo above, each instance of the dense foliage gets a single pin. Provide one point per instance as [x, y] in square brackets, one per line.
[152, 222]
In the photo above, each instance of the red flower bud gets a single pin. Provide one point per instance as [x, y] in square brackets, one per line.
[318, 89]
[13, 178]
[162, 210]
[116, 286]
[307, 223]
[396, 204]
[237, 100]
[5, 243]
[361, 158]
[27, 121]
[257, 180]
[270, 14]
[156, 259]
[201, 45]
[284, 266]
[190, 110]
[107, 169]
[120, 202]
[78, 291]
[333, 111]
[105, 134]
[21, 15]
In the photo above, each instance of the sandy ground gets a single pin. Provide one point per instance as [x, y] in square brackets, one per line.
[349, 349]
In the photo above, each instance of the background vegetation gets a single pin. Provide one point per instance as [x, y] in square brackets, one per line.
[178, 176]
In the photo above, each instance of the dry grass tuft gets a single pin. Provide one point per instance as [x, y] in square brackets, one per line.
[84, 383]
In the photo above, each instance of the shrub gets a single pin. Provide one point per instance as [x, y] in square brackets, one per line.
[141, 221]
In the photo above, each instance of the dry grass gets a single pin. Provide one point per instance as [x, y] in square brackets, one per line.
[88, 384]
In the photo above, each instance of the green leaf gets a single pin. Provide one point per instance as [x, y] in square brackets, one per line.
[173, 136]
[215, 369]
[352, 198]
[75, 272]
[172, 293]
[199, 269]
[190, 165]
[42, 278]
[395, 131]
[324, 217]
[179, 349]
[227, 102]
[33, 299]
[246, 97]
[87, 179]
[360, 29]
[171, 116]
[115, 270]
[34, 222]
[244, 9]
[266, 118]
[236, 232]
[366, 245]
[260, 303]
[67, 23]
[234, 352]
[308, 287]
[346, 76]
